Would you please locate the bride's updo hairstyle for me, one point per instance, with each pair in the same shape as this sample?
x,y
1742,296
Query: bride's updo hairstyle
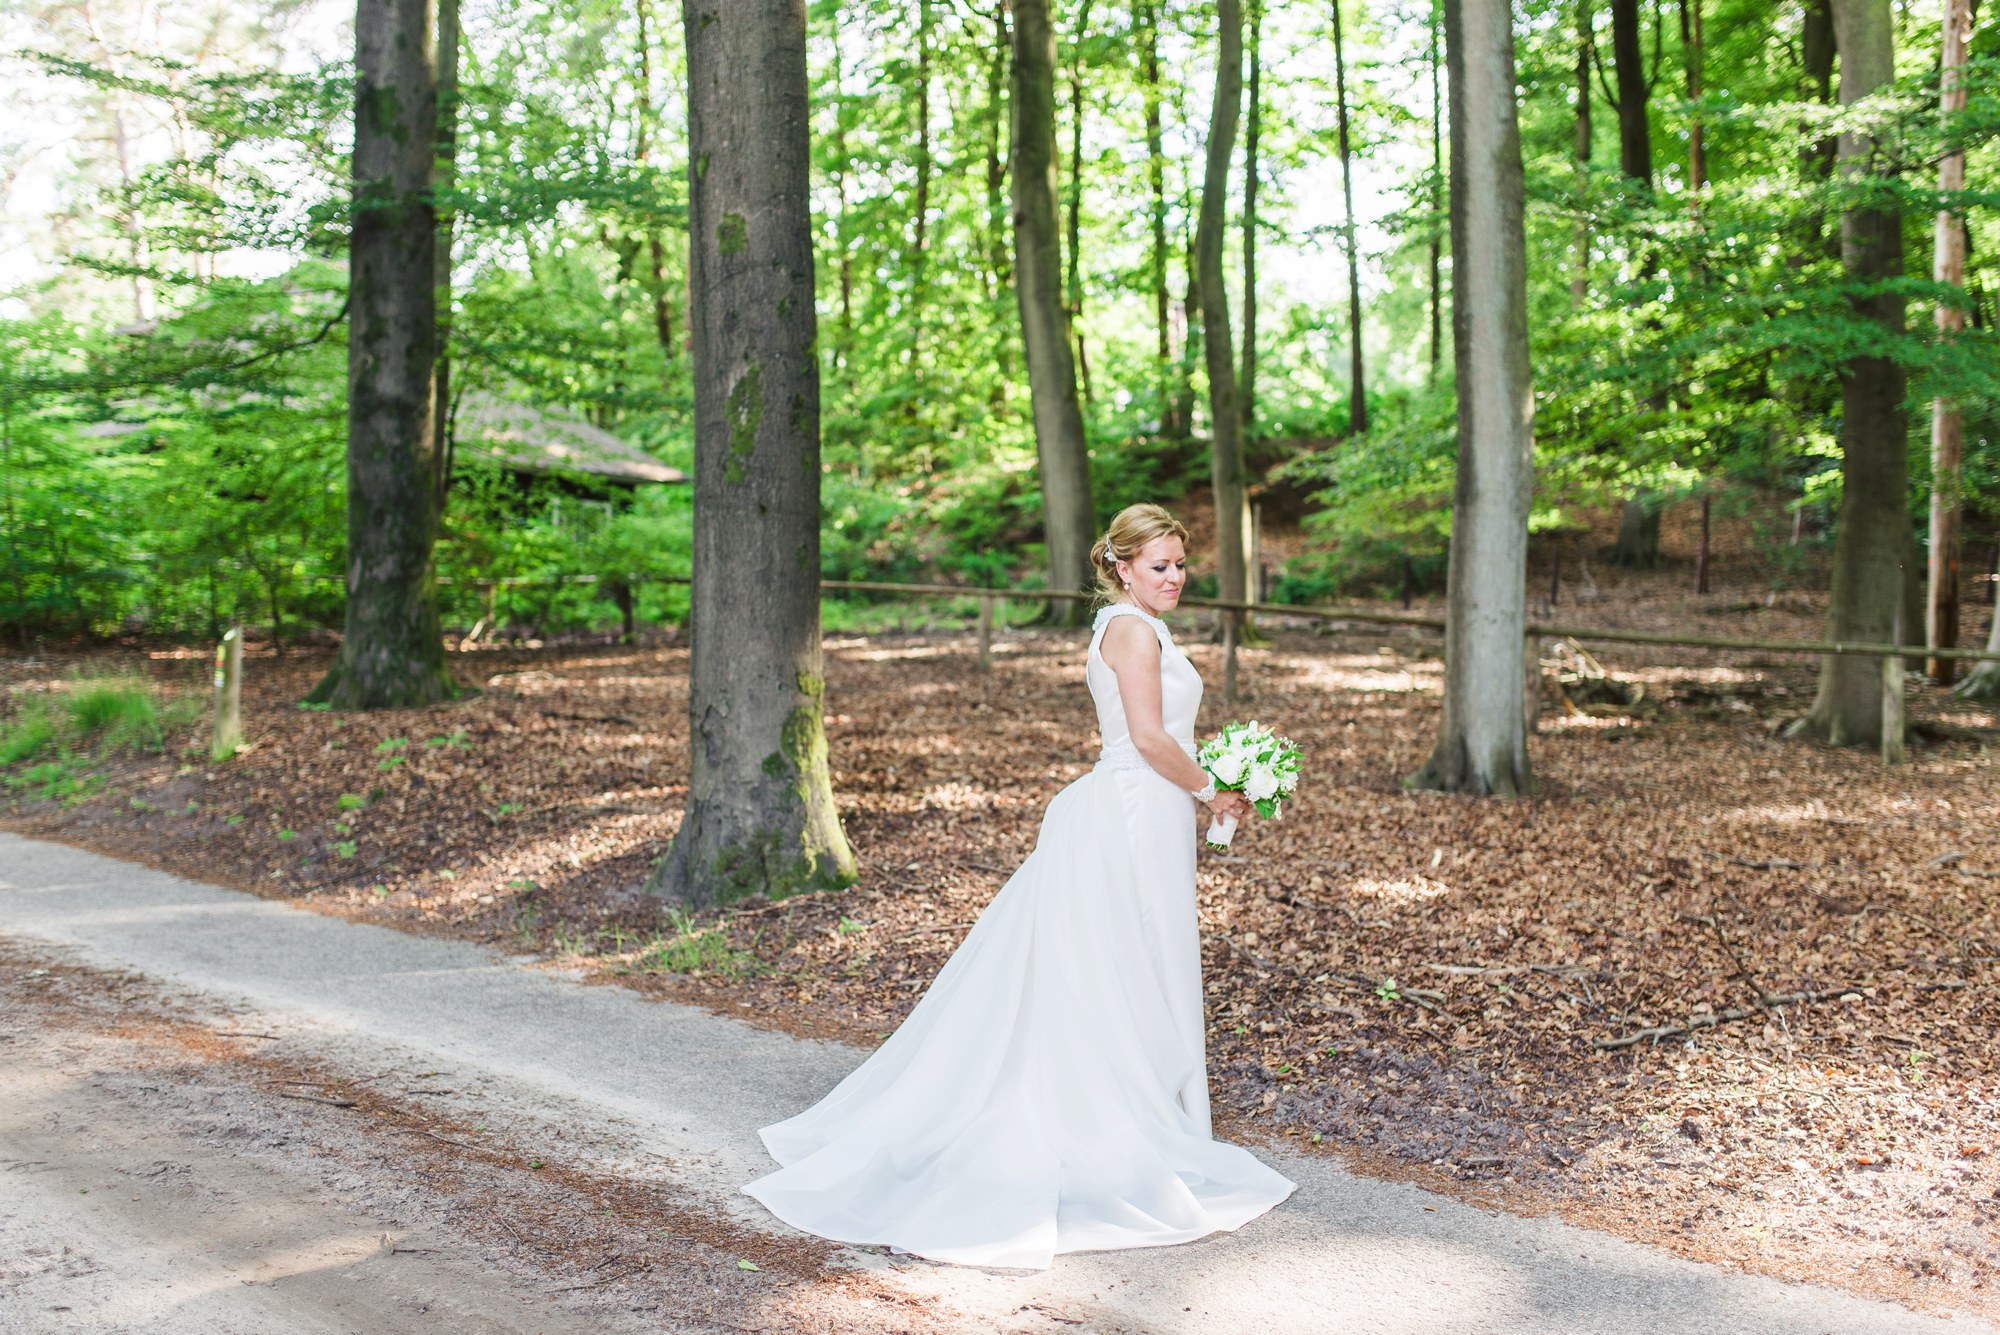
x,y
1133,528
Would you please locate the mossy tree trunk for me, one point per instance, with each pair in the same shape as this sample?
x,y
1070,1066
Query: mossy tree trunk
x,y
1482,740
1227,472
393,651
1069,520
1873,549
760,816
1638,544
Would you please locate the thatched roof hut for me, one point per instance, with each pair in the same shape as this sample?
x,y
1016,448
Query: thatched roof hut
x,y
519,438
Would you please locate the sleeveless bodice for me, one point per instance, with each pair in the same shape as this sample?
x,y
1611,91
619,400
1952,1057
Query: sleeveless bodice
x,y
1180,692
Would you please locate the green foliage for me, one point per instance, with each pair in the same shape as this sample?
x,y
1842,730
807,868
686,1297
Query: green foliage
x,y
188,474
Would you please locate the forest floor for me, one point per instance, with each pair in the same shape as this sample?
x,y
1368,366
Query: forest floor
x,y
1421,984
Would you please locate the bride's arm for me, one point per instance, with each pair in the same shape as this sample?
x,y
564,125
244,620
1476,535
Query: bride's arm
x,y
1132,651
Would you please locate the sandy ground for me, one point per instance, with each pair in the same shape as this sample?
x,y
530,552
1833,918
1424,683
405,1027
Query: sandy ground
x,y
280,1091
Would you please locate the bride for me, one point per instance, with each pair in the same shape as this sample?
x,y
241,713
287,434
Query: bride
x,y
1050,1092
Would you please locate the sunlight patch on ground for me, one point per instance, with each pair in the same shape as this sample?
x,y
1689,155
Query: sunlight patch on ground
x,y
1401,889
959,797
1552,722
1779,814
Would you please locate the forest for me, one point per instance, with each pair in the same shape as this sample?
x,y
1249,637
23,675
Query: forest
x,y
176,331
594,459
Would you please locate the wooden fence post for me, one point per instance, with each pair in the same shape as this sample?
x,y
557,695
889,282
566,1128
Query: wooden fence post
x,y
1531,683
1892,700
985,633
228,696
1229,636
1701,556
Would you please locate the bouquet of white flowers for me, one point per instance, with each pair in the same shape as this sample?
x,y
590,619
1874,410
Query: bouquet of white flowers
x,y
1250,759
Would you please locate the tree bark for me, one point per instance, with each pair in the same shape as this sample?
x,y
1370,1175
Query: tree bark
x,y
761,818
656,249
1947,424
1357,384
919,253
1246,382
1068,518
1579,283
1438,202
392,653
1638,544
1173,423
1874,541
996,162
1635,127
1228,475
446,182
1692,48
1816,52
1482,738
1073,227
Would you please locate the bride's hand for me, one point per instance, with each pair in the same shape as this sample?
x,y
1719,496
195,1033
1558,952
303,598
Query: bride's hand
x,y
1230,804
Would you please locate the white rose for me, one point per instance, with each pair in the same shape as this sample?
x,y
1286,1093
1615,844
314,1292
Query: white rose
x,y
1261,785
1227,768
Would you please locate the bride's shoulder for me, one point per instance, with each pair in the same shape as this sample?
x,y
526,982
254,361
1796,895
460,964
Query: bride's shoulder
x,y
1120,624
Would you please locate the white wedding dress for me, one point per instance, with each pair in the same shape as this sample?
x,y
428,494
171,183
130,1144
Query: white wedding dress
x,y
1049,1093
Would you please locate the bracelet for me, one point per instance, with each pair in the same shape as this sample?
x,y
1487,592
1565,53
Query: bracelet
x,y
1205,793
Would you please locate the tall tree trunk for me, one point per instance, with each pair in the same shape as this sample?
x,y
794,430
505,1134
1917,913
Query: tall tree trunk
x,y
997,229
392,653
1874,540
1482,738
1635,127
656,248
1073,230
919,253
1068,518
1357,384
1816,52
760,818
1579,283
1692,48
446,182
1438,201
1638,544
1228,475
1172,423
1947,426
1246,383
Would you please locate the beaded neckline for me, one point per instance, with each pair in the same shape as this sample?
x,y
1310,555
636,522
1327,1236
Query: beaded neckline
x,y
1111,610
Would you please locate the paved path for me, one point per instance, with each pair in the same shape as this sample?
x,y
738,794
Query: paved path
x,y
675,1086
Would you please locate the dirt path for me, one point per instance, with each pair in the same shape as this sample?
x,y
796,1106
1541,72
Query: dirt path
x,y
567,1157
164,1168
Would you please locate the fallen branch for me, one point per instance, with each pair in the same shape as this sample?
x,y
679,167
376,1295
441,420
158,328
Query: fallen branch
x,y
1756,864
419,1131
315,1098
1769,1002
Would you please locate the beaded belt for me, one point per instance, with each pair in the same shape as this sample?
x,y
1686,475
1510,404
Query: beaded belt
x,y
1124,755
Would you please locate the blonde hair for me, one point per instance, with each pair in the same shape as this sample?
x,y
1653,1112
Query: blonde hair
x,y
1131,529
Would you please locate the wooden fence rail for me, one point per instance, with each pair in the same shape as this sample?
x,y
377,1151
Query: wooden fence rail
x,y
989,598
